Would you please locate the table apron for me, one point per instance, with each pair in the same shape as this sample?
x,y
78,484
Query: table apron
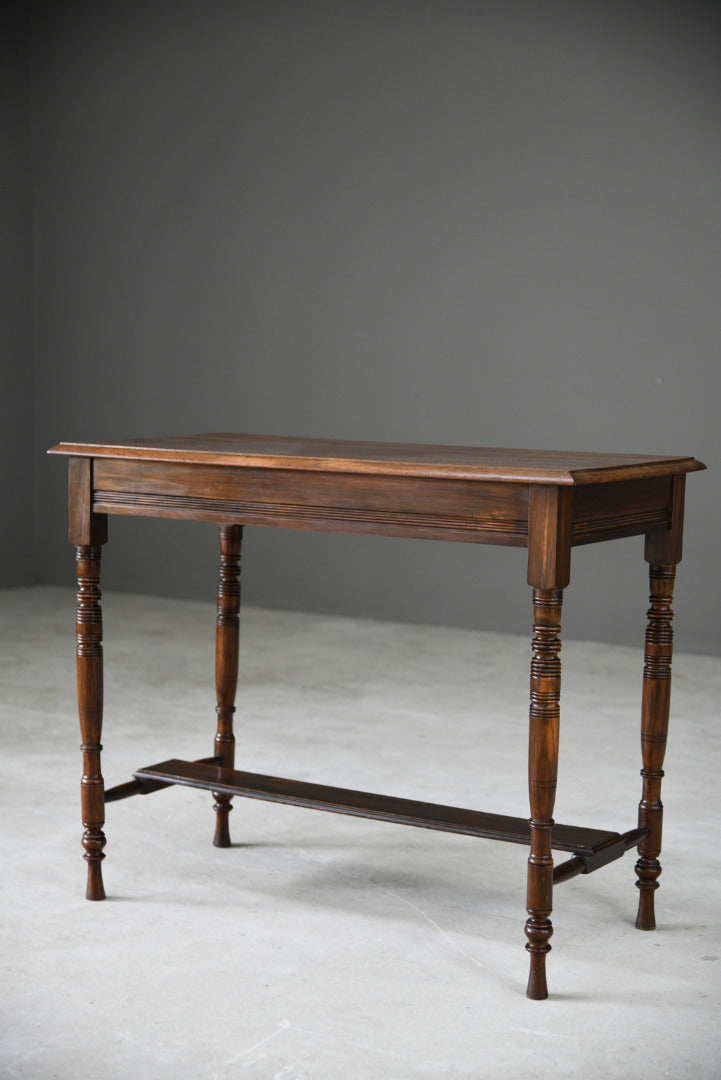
x,y
484,512
464,510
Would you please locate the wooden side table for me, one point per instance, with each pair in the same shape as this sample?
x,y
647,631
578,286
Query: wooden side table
x,y
546,502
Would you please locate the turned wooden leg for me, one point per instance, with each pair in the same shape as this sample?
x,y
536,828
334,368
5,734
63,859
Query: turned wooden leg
x,y
654,730
89,627
544,717
226,666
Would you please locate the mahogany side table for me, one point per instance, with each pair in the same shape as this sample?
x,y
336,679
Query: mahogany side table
x,y
544,501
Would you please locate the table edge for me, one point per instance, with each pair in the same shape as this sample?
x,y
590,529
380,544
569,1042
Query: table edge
x,y
653,466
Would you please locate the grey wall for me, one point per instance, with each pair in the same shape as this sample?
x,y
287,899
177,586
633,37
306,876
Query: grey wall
x,y
484,223
17,447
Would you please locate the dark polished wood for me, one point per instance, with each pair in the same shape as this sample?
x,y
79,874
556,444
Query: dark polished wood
x,y
663,550
89,630
88,531
586,843
546,501
387,459
227,632
544,721
655,707
549,570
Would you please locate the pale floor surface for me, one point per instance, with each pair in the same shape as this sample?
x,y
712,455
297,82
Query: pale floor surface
x,y
322,946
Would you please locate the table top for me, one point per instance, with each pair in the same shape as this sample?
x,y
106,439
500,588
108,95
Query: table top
x,y
388,459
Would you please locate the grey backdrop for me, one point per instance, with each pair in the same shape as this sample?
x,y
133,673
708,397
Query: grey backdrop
x,y
18,450
431,220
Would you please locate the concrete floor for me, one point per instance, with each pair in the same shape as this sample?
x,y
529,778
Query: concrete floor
x,y
322,946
